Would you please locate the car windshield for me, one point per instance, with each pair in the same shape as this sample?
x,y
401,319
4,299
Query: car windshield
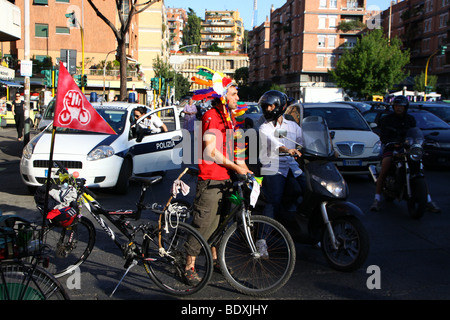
x,y
114,116
253,108
340,118
427,120
441,112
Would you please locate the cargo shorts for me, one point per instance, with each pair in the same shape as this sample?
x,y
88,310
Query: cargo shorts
x,y
210,200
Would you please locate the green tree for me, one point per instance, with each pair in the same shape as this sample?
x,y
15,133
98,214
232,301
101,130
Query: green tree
x,y
419,82
373,66
191,32
215,48
164,70
125,10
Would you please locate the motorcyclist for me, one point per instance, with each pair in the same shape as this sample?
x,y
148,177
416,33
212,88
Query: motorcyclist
x,y
393,128
276,172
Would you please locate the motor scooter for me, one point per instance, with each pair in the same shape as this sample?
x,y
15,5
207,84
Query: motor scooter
x,y
323,216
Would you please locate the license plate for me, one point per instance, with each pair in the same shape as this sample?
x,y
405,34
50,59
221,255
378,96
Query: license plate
x,y
352,162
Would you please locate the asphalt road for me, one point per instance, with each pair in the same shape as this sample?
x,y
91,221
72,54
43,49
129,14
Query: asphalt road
x,y
408,259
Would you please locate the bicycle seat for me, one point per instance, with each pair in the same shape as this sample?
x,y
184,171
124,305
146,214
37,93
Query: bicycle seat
x,y
147,181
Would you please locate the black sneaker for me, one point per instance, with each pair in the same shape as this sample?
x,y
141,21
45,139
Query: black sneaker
x,y
191,277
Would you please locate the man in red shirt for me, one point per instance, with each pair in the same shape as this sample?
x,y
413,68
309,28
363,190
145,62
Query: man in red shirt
x,y
215,164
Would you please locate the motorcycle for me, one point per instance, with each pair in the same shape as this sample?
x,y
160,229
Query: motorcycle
x,y
323,216
406,179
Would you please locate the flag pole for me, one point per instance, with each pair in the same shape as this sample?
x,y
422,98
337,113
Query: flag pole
x,y
49,175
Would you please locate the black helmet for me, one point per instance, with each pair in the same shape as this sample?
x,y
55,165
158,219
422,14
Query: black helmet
x,y
277,98
401,101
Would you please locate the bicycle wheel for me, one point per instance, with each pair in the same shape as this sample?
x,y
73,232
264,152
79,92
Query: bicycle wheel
x,y
167,270
22,281
257,275
69,247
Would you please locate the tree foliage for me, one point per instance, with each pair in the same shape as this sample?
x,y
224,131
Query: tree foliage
x,y
191,32
419,82
121,31
373,66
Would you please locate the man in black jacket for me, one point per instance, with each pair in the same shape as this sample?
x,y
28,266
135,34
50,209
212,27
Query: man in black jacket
x,y
393,128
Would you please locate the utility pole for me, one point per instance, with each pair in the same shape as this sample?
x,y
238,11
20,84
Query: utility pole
x,y
26,93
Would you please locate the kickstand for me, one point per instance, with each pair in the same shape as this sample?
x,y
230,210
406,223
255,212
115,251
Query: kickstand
x,y
133,263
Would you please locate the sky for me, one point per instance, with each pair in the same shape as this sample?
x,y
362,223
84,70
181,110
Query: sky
x,y
245,7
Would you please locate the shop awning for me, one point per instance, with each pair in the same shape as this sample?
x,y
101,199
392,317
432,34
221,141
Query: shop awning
x,y
11,84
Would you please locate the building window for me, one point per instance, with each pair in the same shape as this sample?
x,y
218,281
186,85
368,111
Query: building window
x,y
62,30
41,30
320,61
65,1
322,22
331,42
321,41
323,4
41,2
333,4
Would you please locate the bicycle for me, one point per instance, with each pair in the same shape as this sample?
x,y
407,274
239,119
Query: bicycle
x,y
162,250
245,266
20,253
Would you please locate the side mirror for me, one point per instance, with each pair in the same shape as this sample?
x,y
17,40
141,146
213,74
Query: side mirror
x,y
280,133
332,134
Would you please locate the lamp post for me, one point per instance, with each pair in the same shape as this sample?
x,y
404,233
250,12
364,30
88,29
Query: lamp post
x,y
441,51
104,73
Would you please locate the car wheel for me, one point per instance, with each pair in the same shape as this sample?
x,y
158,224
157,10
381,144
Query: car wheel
x,y
123,181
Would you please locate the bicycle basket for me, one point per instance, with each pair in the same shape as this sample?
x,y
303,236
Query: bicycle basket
x,y
18,238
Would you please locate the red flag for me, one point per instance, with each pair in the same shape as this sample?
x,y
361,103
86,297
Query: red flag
x,y
73,110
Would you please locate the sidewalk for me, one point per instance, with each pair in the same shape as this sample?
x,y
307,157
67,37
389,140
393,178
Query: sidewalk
x,y
10,147
14,195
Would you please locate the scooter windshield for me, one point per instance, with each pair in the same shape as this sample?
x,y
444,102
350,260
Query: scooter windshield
x,y
414,136
316,137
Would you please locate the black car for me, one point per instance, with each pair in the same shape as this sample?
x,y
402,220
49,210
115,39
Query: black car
x,y
435,130
440,109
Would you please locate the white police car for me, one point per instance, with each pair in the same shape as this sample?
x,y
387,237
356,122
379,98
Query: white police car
x,y
107,161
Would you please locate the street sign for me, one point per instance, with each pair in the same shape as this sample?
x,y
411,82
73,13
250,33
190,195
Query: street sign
x,y
26,68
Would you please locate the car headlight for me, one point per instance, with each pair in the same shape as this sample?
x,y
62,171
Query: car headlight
x,y
28,150
377,147
100,152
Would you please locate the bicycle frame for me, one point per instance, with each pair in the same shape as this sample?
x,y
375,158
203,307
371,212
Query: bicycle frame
x,y
242,215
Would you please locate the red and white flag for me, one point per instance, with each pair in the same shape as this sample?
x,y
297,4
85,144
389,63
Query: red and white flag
x,y
73,110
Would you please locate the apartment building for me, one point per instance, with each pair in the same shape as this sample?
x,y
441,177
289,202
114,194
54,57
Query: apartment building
x,y
177,19
153,37
423,26
304,41
224,28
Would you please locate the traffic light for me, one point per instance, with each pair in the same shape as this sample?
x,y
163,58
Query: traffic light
x,y
163,86
77,79
47,77
56,77
84,80
155,83
442,49
72,19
